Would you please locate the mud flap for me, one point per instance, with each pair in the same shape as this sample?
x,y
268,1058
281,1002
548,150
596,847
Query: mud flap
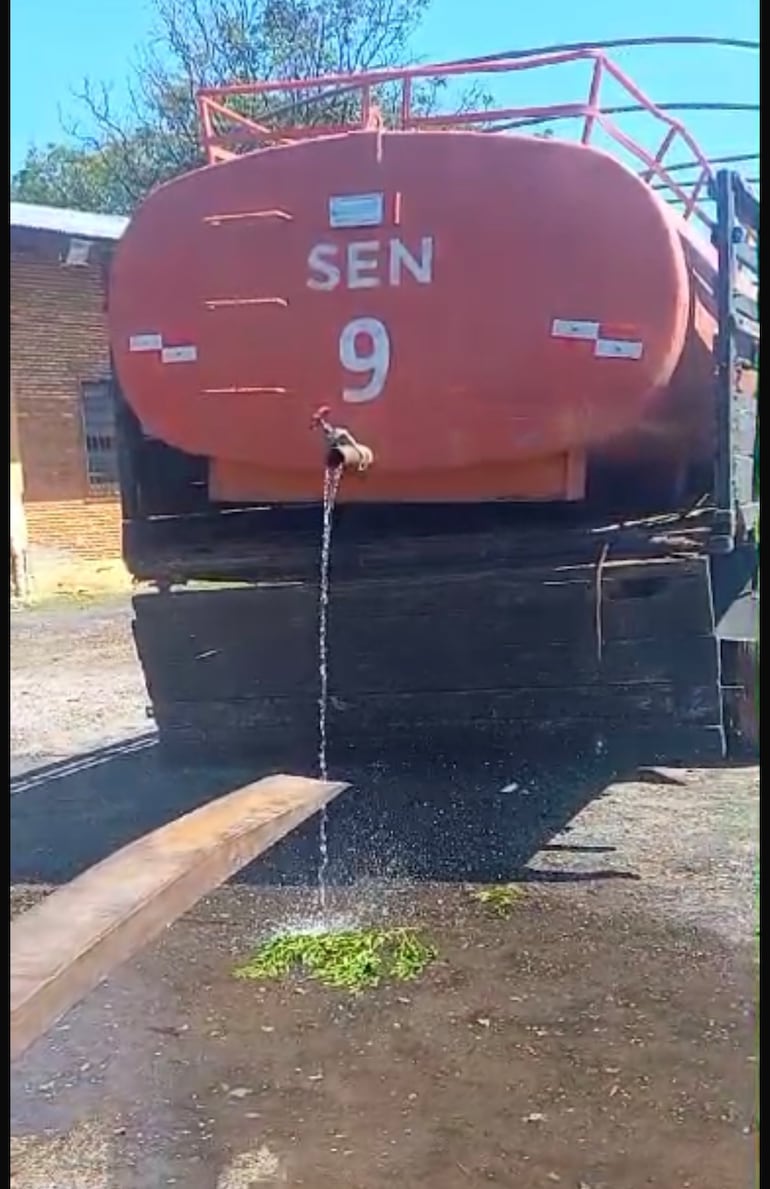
x,y
735,580
740,622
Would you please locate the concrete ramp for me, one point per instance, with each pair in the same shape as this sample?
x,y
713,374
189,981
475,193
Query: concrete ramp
x,y
61,949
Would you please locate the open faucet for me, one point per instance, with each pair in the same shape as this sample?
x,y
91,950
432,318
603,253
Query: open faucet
x,y
342,449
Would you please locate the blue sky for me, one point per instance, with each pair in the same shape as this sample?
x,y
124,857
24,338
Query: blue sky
x,y
54,45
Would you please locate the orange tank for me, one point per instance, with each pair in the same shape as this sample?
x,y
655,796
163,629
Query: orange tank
x,y
487,312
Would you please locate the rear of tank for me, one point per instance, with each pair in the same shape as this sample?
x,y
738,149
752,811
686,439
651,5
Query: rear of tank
x,y
498,317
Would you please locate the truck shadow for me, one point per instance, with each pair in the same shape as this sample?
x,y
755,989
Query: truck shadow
x,y
482,820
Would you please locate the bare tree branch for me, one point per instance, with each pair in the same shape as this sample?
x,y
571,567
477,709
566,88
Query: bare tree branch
x,y
118,150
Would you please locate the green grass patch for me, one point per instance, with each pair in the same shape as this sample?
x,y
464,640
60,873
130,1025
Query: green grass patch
x,y
353,960
499,899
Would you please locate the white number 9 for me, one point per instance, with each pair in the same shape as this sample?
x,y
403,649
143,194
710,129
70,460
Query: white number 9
x,y
374,357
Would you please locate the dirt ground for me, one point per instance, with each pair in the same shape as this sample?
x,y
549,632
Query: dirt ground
x,y
601,1037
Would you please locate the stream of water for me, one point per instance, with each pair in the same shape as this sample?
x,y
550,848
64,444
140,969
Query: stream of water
x,y
332,476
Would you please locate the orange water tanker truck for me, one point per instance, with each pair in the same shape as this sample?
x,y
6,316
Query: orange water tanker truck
x,y
547,352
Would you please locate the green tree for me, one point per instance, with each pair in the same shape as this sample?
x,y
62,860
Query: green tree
x,y
120,152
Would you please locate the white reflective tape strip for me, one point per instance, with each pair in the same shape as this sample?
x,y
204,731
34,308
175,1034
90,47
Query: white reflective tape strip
x,y
562,328
145,342
618,349
179,354
356,210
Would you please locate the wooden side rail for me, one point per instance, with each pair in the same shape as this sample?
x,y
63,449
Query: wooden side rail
x,y
62,948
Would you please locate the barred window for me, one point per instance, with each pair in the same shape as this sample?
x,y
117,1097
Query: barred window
x,y
98,410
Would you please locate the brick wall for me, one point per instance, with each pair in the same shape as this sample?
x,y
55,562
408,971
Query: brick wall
x,y
87,529
58,342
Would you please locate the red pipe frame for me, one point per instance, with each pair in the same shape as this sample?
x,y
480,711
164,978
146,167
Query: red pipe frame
x,y
220,146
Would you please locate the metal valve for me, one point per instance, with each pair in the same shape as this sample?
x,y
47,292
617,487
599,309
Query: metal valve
x,y
342,449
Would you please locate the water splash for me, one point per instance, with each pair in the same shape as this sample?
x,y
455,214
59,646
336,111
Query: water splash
x,y
315,924
332,477
366,904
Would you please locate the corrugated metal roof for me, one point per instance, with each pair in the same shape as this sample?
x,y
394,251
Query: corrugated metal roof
x,y
84,224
